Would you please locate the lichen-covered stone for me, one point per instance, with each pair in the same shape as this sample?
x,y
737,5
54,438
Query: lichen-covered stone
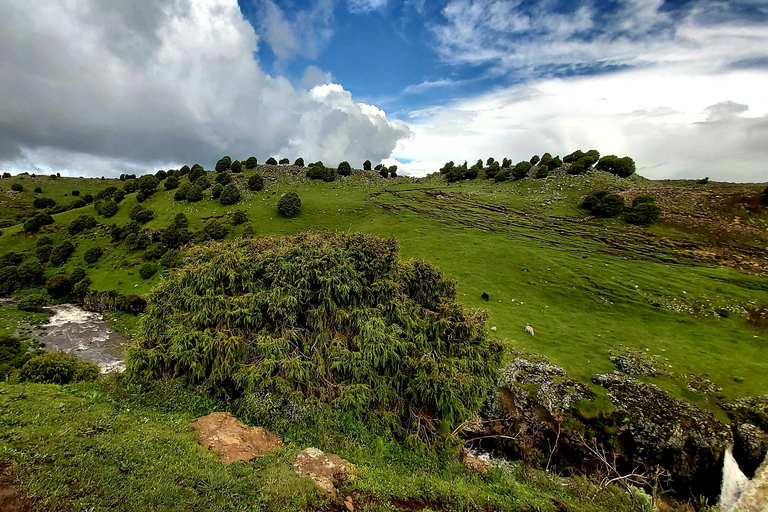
x,y
660,429
325,469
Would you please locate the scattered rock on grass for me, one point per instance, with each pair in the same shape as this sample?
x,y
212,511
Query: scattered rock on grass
x,y
222,432
325,469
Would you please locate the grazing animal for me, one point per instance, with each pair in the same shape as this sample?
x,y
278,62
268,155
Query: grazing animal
x,y
529,329
485,296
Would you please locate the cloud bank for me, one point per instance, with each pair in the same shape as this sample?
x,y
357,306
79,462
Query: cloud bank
x,y
104,88
681,91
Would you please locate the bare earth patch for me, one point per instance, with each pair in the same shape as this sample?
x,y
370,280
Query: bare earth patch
x,y
234,440
10,500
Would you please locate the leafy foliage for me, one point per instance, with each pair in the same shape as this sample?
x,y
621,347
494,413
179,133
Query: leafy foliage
x,y
33,302
271,161
57,368
33,224
335,318
643,214
147,270
289,204
299,162
256,182
82,223
251,163
344,169
623,167
223,164
230,194
92,255
367,165
604,204
61,253
43,202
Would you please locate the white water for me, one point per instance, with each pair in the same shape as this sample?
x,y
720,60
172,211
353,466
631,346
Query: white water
x,y
85,335
734,484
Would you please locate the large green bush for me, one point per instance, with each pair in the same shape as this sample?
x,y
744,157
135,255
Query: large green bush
x,y
33,302
289,204
623,167
61,253
334,318
230,195
57,368
643,214
256,182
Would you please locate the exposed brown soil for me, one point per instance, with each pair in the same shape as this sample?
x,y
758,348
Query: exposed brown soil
x,y
10,499
221,432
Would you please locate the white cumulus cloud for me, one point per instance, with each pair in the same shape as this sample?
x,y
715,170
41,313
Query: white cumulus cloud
x,y
103,88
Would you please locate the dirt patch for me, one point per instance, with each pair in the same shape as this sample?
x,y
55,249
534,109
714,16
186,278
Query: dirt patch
x,y
221,432
10,499
325,469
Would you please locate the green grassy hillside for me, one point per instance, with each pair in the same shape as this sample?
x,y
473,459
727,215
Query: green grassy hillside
x,y
586,286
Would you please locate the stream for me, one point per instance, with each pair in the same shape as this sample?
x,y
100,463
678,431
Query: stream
x,y
83,334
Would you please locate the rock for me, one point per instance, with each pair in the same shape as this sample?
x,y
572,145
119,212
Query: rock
x,y
325,469
660,429
222,432
349,504
750,447
494,328
474,464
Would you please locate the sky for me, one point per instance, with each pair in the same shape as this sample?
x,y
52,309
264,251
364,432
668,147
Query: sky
x,y
94,88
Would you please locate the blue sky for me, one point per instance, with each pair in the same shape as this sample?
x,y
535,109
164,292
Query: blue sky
x,y
681,86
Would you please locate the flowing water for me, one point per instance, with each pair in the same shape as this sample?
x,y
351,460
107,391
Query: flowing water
x,y
83,334
734,484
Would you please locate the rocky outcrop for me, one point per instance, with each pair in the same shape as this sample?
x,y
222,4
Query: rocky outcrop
x,y
325,469
750,415
659,429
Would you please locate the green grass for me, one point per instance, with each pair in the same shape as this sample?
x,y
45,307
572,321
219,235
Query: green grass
x,y
585,287
101,446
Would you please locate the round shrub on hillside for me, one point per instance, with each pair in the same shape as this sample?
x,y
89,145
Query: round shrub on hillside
x,y
34,303
17,187
58,286
194,194
230,194
216,191
643,198
236,167
147,270
224,178
61,253
256,182
93,254
43,202
344,169
644,214
271,161
299,162
251,163
289,204
623,167
334,318
57,368
171,183
609,206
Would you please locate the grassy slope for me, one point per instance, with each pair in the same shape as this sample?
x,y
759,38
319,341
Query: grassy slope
x,y
582,297
112,451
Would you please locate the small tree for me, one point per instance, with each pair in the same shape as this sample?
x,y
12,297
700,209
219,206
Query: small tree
x,y
367,165
225,178
289,204
184,170
171,182
108,208
230,194
75,193
521,170
271,161
29,273
251,163
383,171
92,255
622,167
216,191
299,162
17,187
256,182
203,182
344,169
58,286
182,192
765,196
141,215
541,172
81,223
196,173
161,175
43,202
643,214
236,167
284,161
195,194
535,159
609,206
223,164
643,198
554,163
239,217
148,184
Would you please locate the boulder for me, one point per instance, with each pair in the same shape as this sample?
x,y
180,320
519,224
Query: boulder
x,y
325,469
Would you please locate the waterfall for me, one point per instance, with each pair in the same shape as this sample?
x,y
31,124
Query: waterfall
x,y
734,482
